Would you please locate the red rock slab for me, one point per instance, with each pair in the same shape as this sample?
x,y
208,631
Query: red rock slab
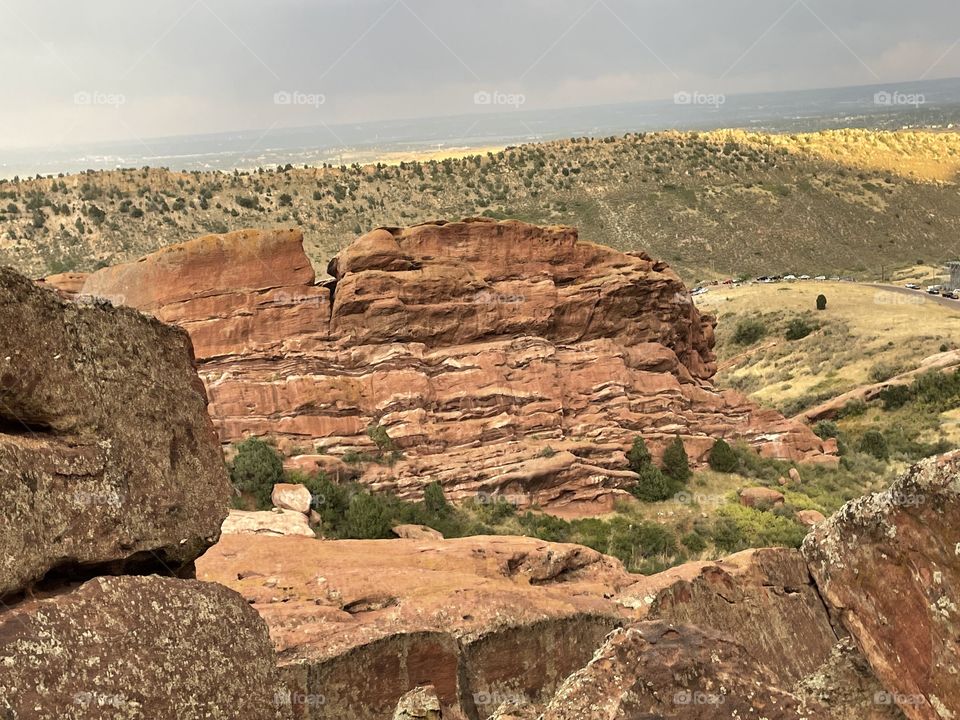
x,y
888,565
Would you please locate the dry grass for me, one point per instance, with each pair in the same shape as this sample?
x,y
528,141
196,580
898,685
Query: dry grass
x,y
925,156
863,330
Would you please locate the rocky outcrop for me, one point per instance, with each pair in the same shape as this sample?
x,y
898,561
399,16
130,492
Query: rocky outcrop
x,y
660,670
496,624
888,565
497,358
483,620
763,599
137,647
107,453
110,471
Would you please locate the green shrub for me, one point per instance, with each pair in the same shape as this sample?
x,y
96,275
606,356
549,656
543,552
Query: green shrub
x,y
255,469
545,527
653,485
826,429
727,535
676,465
799,328
694,542
853,408
881,372
743,527
875,444
434,500
631,543
821,302
367,518
722,457
895,397
749,331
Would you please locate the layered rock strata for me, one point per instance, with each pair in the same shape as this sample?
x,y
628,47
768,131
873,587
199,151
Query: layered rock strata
x,y
497,358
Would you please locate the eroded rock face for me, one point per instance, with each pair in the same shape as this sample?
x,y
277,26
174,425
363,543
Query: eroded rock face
x,y
496,624
660,670
888,565
125,648
483,620
107,453
763,599
499,358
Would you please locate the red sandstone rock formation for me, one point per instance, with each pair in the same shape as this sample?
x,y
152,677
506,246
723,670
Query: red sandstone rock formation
x,y
499,358
500,621
659,670
888,565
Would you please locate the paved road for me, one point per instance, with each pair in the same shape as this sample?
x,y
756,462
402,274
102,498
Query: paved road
x,y
919,295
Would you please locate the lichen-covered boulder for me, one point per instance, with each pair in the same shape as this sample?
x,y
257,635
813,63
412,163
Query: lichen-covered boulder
x,y
107,454
138,648
888,565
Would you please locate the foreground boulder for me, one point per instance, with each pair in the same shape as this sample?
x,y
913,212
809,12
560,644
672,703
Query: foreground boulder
x,y
765,600
111,475
888,565
137,647
659,670
496,624
107,453
483,620
497,358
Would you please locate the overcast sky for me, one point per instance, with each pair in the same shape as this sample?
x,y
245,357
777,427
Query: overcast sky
x,y
77,71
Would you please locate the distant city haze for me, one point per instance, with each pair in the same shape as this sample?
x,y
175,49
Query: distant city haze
x,y
87,73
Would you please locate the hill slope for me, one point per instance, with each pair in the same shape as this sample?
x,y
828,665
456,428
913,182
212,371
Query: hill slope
x,y
710,203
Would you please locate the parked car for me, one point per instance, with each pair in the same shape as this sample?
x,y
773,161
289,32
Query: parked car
x,y
820,277
804,277
934,289
912,286
790,278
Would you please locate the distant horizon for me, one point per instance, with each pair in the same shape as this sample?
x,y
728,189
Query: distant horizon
x,y
454,116
936,106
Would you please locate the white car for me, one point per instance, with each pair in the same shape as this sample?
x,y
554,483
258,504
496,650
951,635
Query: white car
x,y
790,278
820,277
804,277
912,286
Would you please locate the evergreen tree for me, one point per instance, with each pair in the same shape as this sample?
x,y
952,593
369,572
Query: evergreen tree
x,y
676,465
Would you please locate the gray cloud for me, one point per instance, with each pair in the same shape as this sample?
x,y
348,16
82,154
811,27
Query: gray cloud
x,y
192,66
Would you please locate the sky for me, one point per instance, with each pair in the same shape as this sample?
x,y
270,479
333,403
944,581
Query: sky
x,y
82,71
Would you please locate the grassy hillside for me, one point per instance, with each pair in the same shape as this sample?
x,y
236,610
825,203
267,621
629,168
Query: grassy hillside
x,y
866,335
712,204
